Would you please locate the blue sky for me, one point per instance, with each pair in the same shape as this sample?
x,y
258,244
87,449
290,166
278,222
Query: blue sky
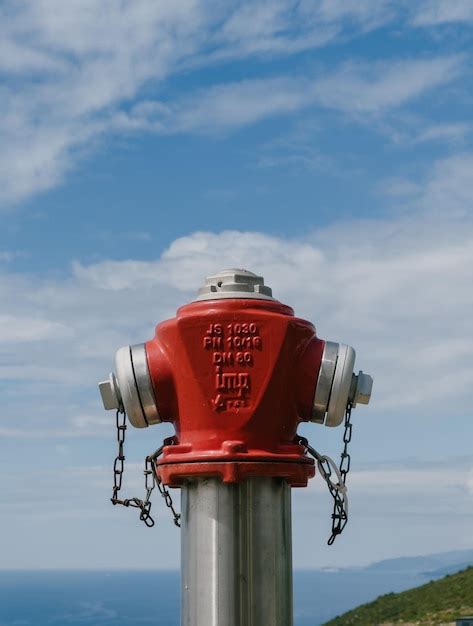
x,y
325,145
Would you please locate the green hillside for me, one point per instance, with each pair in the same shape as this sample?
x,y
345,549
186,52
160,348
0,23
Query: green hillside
x,y
438,602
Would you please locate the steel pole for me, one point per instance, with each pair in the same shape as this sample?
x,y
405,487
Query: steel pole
x,y
236,554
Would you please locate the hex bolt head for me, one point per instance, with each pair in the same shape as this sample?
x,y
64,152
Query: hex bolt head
x,y
362,385
110,393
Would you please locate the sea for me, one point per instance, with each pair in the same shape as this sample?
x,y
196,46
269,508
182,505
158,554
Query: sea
x,y
142,598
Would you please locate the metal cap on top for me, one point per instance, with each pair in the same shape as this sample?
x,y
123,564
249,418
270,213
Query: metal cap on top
x,y
234,283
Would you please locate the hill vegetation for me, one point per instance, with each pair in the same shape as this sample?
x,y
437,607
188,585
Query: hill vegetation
x,y
438,602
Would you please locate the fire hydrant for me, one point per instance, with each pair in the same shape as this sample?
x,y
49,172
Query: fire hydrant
x,y
236,373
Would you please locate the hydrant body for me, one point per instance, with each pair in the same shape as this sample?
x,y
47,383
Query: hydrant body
x,y
235,376
236,372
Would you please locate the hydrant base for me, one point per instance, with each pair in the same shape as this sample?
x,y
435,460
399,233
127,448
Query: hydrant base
x,y
296,474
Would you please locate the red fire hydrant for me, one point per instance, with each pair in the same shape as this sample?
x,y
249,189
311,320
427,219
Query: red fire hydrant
x,y
236,373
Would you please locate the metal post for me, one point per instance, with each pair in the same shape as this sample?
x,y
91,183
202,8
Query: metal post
x,y
236,553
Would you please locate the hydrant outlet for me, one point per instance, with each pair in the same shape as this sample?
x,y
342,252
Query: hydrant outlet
x,y
131,389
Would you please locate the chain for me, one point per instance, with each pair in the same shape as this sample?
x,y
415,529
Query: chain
x,y
151,478
164,491
327,467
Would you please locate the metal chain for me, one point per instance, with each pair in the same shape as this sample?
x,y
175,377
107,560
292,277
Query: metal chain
x,y
164,491
326,467
151,478
325,464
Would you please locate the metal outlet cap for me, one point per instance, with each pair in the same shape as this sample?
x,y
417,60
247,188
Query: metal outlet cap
x,y
131,389
135,386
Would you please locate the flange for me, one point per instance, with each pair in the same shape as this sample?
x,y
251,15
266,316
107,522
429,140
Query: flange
x,y
333,385
341,385
135,386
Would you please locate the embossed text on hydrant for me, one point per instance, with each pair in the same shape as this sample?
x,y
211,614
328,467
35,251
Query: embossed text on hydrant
x,y
233,348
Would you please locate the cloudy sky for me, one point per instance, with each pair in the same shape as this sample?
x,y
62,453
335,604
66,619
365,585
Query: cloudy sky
x,y
326,144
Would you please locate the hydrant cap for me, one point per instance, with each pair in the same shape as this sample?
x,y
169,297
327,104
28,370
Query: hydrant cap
x,y
234,283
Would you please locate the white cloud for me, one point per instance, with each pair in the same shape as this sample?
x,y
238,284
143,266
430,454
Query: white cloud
x,y
353,88
419,488
282,27
67,69
407,129
449,187
19,329
445,481
398,289
6,256
451,133
378,86
469,482
446,189
77,426
71,74
399,188
435,12
77,62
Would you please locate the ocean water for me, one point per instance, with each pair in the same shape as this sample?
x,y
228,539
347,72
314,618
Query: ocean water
x,y
135,598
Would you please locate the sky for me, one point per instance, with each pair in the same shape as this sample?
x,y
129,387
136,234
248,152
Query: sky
x,y
324,144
